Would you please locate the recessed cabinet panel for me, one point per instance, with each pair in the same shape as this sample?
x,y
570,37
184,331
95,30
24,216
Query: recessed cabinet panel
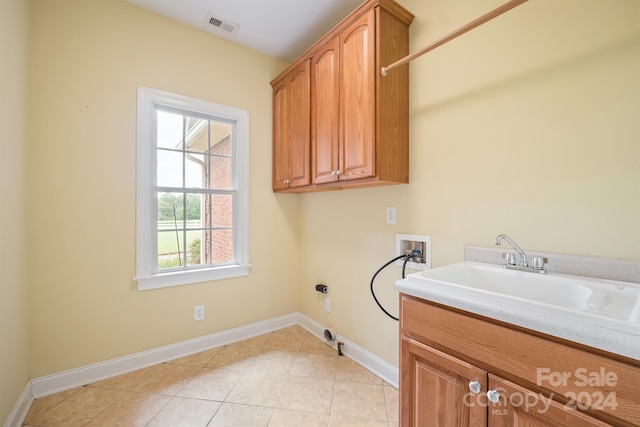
x,y
299,160
281,135
325,95
357,98
435,389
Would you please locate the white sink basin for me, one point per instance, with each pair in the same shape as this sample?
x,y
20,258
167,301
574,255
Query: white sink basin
x,y
606,303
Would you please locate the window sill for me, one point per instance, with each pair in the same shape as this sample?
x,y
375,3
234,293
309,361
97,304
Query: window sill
x,y
178,278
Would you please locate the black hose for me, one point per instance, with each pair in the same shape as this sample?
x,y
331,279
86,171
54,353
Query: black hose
x,y
407,258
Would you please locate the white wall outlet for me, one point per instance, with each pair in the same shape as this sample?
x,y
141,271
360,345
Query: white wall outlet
x,y
391,214
198,312
327,305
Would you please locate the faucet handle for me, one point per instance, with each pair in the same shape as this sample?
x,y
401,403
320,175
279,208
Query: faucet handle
x,y
510,257
538,262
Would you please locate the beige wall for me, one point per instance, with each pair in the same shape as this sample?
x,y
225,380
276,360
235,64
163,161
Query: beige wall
x,y
87,59
14,370
529,125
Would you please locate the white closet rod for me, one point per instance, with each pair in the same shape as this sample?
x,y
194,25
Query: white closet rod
x,y
457,33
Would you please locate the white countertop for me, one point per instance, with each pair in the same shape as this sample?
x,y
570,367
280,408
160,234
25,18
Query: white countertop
x,y
622,343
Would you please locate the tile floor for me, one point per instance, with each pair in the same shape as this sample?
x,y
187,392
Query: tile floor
x,y
283,378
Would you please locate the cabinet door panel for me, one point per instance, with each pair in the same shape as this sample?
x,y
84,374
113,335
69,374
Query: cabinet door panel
x,y
299,160
434,389
519,406
281,135
357,99
325,93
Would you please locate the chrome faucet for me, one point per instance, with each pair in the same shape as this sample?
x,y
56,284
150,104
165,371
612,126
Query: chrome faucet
x,y
538,261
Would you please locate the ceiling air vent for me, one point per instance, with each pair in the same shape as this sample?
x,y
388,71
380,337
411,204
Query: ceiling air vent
x,y
220,24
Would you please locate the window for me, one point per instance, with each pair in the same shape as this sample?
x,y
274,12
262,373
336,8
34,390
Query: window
x,y
192,195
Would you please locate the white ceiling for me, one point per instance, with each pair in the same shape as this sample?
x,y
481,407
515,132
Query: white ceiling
x,y
282,29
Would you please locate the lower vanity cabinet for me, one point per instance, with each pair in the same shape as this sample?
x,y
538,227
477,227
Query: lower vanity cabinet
x,y
461,369
445,391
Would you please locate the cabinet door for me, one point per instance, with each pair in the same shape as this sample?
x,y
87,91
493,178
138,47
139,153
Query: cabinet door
x,y
299,153
435,389
291,129
281,135
357,99
520,406
325,92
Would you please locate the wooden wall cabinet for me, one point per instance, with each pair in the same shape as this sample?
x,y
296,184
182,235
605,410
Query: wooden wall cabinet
x,y
459,369
359,120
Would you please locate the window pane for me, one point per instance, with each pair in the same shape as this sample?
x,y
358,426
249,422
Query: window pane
x,y
169,130
170,211
195,247
222,246
170,249
195,211
196,170
197,134
220,138
221,210
169,169
220,178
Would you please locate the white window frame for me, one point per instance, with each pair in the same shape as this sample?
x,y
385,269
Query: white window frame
x,y
146,215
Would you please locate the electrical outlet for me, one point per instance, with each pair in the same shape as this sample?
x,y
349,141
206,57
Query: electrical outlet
x,y
198,312
391,214
327,305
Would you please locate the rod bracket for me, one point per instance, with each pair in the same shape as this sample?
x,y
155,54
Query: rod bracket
x,y
383,71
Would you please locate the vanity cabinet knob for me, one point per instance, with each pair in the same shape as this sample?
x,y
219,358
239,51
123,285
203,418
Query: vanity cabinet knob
x,y
287,181
493,396
474,387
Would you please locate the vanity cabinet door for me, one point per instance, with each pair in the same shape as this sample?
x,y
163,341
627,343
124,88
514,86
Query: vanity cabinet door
x,y
435,389
519,406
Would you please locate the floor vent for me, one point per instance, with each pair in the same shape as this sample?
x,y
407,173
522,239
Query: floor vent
x,y
219,24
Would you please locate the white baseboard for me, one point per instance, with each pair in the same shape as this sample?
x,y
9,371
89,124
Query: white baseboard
x,y
55,383
383,369
20,409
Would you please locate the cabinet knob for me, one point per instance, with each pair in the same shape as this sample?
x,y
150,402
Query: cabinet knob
x,y
475,387
287,181
493,396
338,172
334,173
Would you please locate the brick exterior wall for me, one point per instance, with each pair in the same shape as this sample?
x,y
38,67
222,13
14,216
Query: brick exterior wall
x,y
220,241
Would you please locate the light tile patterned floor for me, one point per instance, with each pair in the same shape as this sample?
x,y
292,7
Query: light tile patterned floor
x,y
284,378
